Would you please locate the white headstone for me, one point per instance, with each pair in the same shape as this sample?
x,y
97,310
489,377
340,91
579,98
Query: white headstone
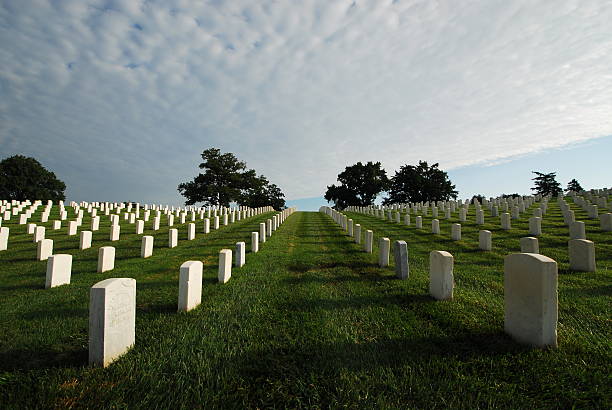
x,y
605,221
240,257
191,231
484,240
530,299
139,227
39,233
262,232
225,265
577,230
112,320
57,225
400,253
190,285
106,259
254,242
384,249
146,246
206,225
59,269
529,245
44,249
115,232
357,233
535,226
456,232
582,255
419,222
172,238
369,239
435,226
441,281
85,240
505,221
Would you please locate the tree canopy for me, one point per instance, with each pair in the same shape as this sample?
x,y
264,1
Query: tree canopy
x,y
546,184
574,185
359,185
24,178
419,184
225,179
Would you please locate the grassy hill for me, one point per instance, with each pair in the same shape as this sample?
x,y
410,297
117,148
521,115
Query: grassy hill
x,y
309,321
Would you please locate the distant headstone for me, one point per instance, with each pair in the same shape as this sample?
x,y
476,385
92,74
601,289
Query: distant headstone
x,y
190,285
357,234
254,242
146,246
369,239
191,231
535,226
206,225
530,299
419,222
112,320
85,240
172,238
72,228
577,230
115,231
505,221
262,232
44,249
384,248
435,226
39,233
59,269
456,232
441,280
529,245
139,227
605,222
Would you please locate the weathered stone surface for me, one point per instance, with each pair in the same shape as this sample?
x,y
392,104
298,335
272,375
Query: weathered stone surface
x,y
190,285
605,222
535,226
59,270
112,320
441,280
106,259
582,255
505,221
577,230
456,232
400,253
530,299
225,265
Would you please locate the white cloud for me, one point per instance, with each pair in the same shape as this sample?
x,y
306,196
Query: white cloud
x,y
120,97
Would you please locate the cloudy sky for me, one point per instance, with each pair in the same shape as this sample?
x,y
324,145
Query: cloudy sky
x,y
120,97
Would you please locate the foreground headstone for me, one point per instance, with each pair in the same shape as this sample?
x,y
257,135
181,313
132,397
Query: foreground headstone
x,y
582,255
172,238
106,259
240,257
441,281
112,320
535,226
59,269
225,265
85,240
530,299
190,285
384,248
484,240
44,249
400,253
146,246
529,245
369,239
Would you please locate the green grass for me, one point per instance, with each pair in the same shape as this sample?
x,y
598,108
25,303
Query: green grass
x,y
309,321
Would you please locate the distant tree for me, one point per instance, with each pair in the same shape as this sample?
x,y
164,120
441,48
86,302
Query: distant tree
x,y
546,184
515,195
219,184
260,192
24,178
420,183
359,185
479,197
574,185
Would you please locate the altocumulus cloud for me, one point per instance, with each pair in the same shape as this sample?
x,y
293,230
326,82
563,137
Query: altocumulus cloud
x,y
120,97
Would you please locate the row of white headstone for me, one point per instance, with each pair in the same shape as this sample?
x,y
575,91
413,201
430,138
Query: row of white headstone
x,y
530,288
112,306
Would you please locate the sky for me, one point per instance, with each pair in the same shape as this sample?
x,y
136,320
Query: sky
x,y
120,97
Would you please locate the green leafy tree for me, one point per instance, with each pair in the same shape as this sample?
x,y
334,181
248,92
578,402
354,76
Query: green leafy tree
x,y
574,185
420,183
260,192
546,184
359,185
24,178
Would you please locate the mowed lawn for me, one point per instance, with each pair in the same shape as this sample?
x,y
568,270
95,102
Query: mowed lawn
x,y
309,321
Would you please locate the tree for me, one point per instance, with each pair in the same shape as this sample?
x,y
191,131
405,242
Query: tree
x,y
24,178
260,192
225,180
546,184
478,197
419,184
359,185
574,185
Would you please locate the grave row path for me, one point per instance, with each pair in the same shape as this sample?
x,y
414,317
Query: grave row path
x,y
309,321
